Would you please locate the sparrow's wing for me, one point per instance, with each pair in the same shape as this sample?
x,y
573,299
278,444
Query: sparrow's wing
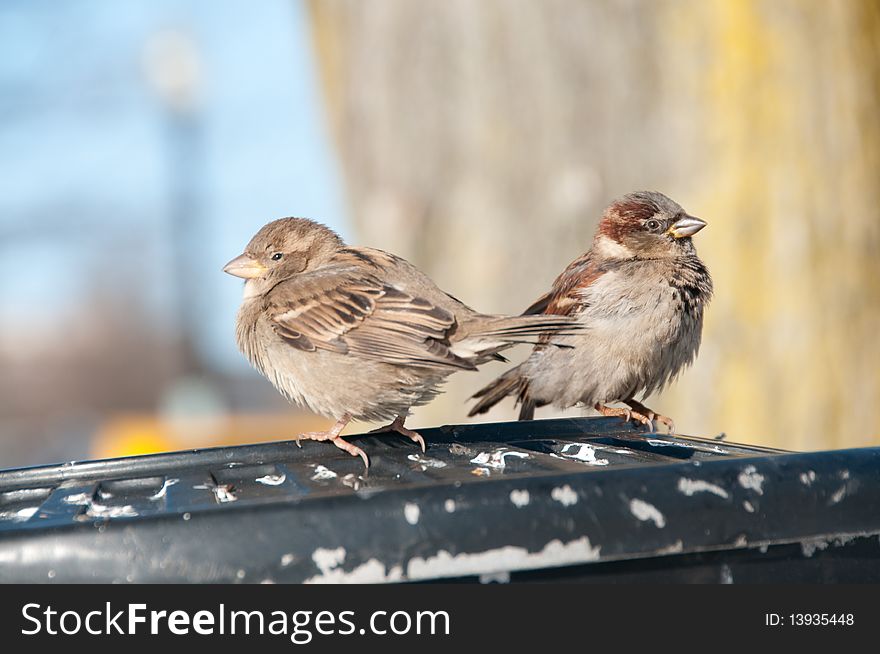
x,y
566,295
360,314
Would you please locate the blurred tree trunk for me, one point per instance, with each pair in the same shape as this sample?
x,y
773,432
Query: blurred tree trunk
x,y
481,140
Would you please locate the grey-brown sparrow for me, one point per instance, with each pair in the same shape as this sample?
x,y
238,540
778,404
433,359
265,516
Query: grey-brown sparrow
x,y
358,333
639,292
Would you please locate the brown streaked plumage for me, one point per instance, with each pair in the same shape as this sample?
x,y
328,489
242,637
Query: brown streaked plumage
x,y
358,333
639,292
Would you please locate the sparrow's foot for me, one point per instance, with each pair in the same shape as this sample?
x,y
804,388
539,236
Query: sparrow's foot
x,y
397,426
333,436
627,414
641,408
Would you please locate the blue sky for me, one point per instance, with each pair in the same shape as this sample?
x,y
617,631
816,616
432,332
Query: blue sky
x,y
85,170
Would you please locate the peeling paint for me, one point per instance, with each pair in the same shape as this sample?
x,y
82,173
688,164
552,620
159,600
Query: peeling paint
x,y
645,511
19,516
691,486
497,459
676,548
272,480
809,547
158,495
327,559
101,511
481,472
322,473
808,477
521,498
371,572
80,499
508,558
496,578
583,452
426,461
223,493
564,495
411,512
750,478
352,481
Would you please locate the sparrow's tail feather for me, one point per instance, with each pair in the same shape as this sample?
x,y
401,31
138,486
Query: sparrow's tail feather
x,y
527,410
510,383
512,328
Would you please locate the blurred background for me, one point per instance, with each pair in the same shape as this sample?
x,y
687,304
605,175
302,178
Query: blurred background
x,y
143,143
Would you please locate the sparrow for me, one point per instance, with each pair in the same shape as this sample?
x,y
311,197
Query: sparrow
x,y
355,333
640,292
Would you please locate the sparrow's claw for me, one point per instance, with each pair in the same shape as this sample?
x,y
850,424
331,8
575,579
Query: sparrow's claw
x,y
354,450
641,408
398,427
627,414
333,436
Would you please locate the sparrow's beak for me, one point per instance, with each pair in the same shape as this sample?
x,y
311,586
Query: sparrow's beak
x,y
245,267
687,226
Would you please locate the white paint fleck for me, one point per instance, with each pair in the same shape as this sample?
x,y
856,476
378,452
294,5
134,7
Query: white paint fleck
x,y
101,511
659,443
520,498
497,459
449,506
327,559
808,477
748,506
352,481
502,559
726,574
809,547
844,474
287,559
240,574
51,574
159,494
763,549
272,480
838,495
583,452
328,562
676,548
223,493
19,516
201,487
564,495
741,541
79,499
323,473
186,516
691,486
496,578
426,461
751,479
645,511
411,512
371,572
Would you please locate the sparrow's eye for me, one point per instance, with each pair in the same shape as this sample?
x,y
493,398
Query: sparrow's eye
x,y
652,225
277,256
